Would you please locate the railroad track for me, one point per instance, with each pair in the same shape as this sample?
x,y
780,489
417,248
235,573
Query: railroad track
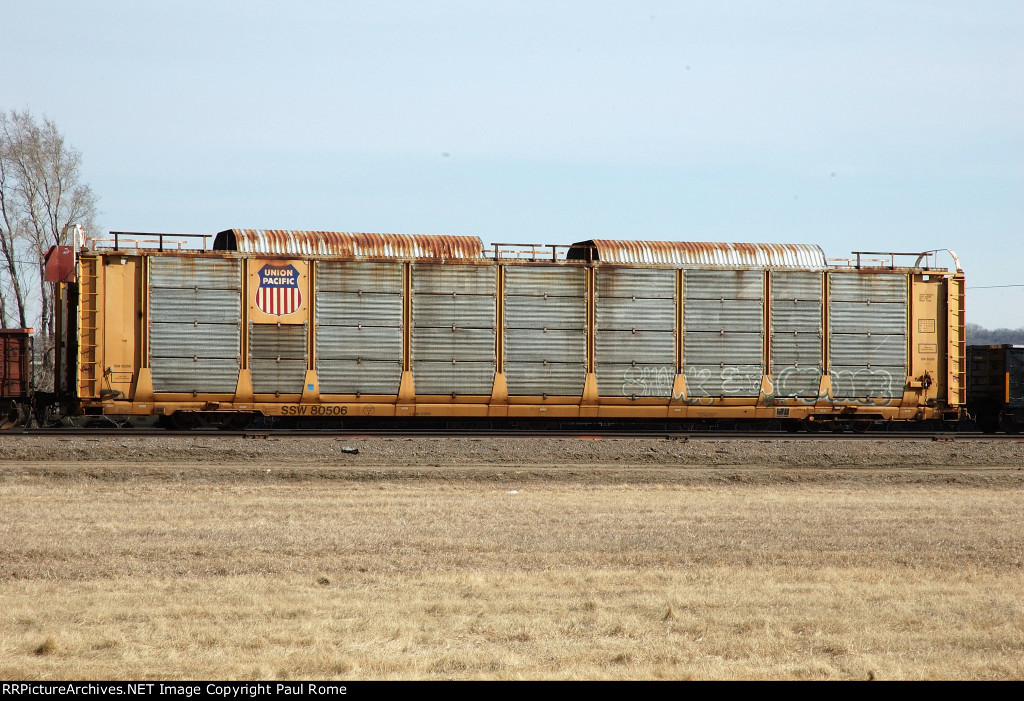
x,y
589,434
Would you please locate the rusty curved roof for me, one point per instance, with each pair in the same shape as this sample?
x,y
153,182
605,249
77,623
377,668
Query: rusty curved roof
x,y
695,254
333,243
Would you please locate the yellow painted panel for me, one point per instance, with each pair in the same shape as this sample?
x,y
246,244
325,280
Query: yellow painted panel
x,y
121,326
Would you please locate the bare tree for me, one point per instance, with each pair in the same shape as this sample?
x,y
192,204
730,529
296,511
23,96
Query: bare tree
x,y
41,196
13,236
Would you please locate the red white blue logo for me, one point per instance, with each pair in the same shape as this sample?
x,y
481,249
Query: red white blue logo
x,y
278,292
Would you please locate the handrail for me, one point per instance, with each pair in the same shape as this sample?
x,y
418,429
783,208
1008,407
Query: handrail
x,y
160,239
889,261
529,251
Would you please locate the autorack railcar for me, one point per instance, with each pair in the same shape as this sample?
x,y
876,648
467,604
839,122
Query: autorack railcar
x,y
328,324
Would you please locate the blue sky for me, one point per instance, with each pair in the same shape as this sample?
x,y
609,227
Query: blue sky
x,y
855,126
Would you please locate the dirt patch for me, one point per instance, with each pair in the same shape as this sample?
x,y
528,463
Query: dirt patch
x,y
607,461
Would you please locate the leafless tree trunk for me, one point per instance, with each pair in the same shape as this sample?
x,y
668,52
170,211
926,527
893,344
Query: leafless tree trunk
x,y
12,230
40,198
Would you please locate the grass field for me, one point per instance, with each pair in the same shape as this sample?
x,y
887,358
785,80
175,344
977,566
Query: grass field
x,y
237,577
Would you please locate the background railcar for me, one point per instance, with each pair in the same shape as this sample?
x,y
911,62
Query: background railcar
x,y
16,384
323,324
995,379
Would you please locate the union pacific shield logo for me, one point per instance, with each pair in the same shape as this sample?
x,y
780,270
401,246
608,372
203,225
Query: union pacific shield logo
x,y
278,292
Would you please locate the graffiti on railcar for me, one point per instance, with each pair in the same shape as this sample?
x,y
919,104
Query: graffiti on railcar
x,y
648,381
796,382
873,386
727,381
741,380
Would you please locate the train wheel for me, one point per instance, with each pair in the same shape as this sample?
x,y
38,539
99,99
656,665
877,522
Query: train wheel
x,y
791,426
49,416
10,415
861,426
839,426
1008,423
987,422
184,420
236,422
813,426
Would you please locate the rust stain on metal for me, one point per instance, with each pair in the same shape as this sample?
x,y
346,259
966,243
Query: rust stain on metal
x,y
351,245
692,253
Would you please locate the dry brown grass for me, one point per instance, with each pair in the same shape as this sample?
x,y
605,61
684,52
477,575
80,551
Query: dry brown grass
x,y
242,578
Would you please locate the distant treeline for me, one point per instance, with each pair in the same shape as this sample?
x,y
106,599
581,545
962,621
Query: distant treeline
x,y
980,336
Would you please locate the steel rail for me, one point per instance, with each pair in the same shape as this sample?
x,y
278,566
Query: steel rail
x,y
573,434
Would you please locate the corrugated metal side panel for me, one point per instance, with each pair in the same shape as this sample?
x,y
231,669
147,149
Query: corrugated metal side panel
x,y
796,380
798,349
862,350
193,340
723,337
435,377
537,312
458,344
634,343
277,358
628,380
869,317
190,273
639,348
723,284
735,380
195,308
554,379
438,311
453,328
176,305
353,276
454,278
789,316
873,383
624,314
712,348
745,315
368,343
639,283
877,287
359,327
794,285
353,309
273,341
204,376
362,376
544,281
796,321
867,335
271,376
545,330
552,345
